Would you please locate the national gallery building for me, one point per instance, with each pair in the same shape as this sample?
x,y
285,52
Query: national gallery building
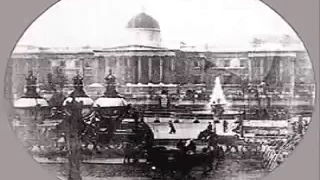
x,y
144,62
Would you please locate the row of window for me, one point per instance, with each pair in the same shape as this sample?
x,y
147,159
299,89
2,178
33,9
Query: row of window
x,y
77,63
126,62
223,63
122,61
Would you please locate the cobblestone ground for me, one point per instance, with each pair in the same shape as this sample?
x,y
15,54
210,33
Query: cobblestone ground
x,y
231,169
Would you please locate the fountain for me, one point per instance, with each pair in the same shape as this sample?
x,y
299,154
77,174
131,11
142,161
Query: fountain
x,y
218,96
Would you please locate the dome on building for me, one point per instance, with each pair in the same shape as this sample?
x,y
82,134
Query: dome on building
x,y
144,30
143,20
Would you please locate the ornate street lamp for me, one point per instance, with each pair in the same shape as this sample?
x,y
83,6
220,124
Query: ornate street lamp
x,y
80,95
111,107
31,108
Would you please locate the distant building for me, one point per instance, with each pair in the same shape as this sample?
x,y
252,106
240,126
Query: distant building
x,y
144,61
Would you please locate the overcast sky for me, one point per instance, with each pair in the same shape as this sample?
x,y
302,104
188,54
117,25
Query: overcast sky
x,y
75,23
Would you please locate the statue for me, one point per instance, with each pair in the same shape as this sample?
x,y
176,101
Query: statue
x,y
78,87
111,85
110,79
31,86
31,79
78,80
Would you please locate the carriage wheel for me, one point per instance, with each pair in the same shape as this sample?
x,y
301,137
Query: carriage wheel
x,y
117,147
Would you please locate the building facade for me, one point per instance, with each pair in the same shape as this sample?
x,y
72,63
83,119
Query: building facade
x,y
144,61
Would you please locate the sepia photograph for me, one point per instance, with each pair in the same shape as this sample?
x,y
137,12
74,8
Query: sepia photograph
x,y
141,90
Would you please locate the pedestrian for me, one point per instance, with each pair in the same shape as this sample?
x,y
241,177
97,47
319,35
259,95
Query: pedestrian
x,y
157,119
209,127
172,128
213,107
225,126
300,127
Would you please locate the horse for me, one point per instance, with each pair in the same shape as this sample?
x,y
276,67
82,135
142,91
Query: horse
x,y
132,152
176,161
86,131
98,129
213,139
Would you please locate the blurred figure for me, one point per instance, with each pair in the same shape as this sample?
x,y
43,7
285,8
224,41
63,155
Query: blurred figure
x,y
300,127
172,128
181,145
157,119
225,126
213,107
196,120
210,127
191,147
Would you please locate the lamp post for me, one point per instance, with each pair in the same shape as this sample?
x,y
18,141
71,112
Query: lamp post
x,y
83,67
76,106
30,108
111,107
73,140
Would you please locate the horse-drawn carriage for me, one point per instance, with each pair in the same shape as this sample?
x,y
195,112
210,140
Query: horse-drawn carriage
x,y
107,123
113,128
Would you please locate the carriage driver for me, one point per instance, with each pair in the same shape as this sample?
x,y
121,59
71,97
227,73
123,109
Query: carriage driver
x,y
190,146
187,147
210,127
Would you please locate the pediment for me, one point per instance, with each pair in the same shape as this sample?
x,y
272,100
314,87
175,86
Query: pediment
x,y
132,48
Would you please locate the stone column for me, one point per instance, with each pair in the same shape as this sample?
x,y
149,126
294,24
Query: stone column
x,y
293,76
202,71
173,73
128,70
172,64
281,71
150,68
106,67
249,69
139,69
118,59
261,69
161,69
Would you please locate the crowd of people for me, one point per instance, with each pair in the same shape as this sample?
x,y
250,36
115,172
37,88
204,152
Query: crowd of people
x,y
300,126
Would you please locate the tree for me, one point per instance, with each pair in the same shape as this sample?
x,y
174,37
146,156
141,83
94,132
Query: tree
x,y
256,42
287,40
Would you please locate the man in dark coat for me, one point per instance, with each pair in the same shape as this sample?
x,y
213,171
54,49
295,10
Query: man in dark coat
x,y
172,128
225,126
209,127
181,145
191,146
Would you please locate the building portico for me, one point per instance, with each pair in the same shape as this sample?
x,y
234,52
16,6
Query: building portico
x,y
139,64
